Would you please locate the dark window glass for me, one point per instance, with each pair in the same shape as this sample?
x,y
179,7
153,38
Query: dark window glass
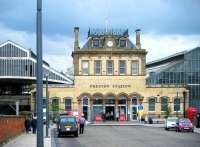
x,y
152,104
97,66
176,104
122,43
122,67
110,67
96,43
68,104
164,104
110,101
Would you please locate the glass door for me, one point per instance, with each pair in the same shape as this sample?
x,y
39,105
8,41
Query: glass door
x,y
134,112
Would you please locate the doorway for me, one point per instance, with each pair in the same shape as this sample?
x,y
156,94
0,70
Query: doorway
x,y
85,112
134,112
110,111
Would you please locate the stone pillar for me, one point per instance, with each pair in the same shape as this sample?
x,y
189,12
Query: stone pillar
x,y
128,109
104,107
116,107
17,108
90,110
80,107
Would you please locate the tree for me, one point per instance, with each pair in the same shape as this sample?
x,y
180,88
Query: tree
x,y
167,112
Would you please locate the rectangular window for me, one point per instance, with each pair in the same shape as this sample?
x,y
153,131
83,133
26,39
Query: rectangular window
x,y
97,67
95,43
110,67
135,68
122,43
85,67
122,67
177,104
152,104
68,104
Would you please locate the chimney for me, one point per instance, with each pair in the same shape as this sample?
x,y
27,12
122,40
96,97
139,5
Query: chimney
x,y
76,44
138,44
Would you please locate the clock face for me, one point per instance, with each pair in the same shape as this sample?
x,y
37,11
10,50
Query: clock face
x,y
109,43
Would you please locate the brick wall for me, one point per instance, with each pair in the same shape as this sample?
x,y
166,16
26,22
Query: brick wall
x,y
10,126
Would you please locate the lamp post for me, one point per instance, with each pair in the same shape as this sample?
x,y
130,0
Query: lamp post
x,y
184,97
47,107
39,77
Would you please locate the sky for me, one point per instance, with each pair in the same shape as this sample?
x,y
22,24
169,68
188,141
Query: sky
x,y
168,26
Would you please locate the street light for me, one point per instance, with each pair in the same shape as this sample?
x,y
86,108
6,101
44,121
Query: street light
x,y
184,97
47,107
39,77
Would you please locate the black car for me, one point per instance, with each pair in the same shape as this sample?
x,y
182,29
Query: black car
x,y
67,125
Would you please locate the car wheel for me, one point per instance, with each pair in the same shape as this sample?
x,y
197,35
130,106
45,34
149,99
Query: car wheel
x,y
59,135
76,134
167,129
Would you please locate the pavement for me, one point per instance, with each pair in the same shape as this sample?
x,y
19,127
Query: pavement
x,y
126,136
27,140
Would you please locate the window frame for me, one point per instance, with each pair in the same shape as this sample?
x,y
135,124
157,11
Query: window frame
x,y
162,104
135,61
152,98
100,71
124,67
68,98
120,43
177,104
83,69
93,43
108,69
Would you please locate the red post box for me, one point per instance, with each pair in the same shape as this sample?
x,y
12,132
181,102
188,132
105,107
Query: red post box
x,y
191,113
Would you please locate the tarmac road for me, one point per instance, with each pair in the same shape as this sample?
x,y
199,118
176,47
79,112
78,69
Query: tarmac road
x,y
127,136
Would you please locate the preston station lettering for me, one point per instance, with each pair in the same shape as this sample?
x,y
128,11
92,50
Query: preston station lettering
x,y
110,86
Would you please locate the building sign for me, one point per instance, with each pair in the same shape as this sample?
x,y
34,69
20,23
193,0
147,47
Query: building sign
x,y
109,86
140,107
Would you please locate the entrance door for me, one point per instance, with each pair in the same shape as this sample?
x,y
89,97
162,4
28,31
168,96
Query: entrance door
x,y
122,111
85,112
110,111
134,112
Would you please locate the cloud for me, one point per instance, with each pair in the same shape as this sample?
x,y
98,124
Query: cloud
x,y
160,16
159,46
56,49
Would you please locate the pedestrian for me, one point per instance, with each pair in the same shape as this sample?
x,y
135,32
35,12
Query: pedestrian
x,y
111,115
27,124
34,124
117,116
82,124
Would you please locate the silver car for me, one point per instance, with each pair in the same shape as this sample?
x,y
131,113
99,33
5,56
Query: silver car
x,y
171,123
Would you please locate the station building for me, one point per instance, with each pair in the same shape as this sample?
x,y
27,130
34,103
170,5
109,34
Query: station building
x,y
182,68
110,77
18,78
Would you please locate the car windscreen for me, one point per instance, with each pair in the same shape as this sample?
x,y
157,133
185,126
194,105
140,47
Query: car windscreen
x,y
69,120
184,121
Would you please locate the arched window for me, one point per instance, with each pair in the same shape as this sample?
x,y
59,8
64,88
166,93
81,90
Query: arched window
x,y
164,103
122,100
85,101
152,103
177,104
97,100
55,104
